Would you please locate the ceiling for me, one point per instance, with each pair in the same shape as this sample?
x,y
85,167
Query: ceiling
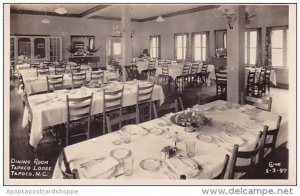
x,y
138,12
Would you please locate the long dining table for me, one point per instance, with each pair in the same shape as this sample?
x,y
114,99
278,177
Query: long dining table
x,y
37,84
50,109
212,143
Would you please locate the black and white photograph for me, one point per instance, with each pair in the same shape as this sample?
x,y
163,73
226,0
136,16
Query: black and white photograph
x,y
149,93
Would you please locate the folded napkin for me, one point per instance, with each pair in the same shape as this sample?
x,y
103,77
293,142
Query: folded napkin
x,y
100,167
183,166
231,139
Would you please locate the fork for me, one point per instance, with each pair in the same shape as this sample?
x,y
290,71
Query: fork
x,y
93,161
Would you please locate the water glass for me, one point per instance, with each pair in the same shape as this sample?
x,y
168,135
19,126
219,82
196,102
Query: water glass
x,y
190,148
128,166
252,114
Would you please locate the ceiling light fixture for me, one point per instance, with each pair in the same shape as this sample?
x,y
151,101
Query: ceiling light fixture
x,y
45,20
160,19
61,10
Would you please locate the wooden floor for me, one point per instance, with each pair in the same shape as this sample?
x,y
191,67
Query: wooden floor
x,y
48,150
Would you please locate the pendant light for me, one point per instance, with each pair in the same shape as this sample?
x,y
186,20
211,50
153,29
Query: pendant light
x,y
45,20
61,10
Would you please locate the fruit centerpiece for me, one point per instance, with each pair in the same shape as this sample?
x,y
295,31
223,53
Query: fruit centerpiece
x,y
191,118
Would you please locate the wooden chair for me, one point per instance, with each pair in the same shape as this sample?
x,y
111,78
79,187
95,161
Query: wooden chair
x,y
164,76
181,104
112,104
120,119
34,65
260,84
60,69
132,72
78,79
273,134
194,76
114,79
54,82
97,76
75,68
221,83
260,103
165,108
204,73
250,83
183,78
252,156
65,167
267,81
42,71
144,100
79,113
223,171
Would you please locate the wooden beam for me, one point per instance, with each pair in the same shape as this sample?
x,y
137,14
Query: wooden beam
x,y
197,9
91,11
31,12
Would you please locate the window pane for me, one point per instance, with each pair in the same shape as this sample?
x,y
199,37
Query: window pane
x,y
277,39
179,41
184,53
253,39
197,41
203,40
179,53
277,57
184,41
246,38
117,48
197,54
246,56
203,54
252,56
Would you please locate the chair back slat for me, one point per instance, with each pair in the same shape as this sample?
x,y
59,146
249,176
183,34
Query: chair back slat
x,y
97,76
78,79
194,68
55,82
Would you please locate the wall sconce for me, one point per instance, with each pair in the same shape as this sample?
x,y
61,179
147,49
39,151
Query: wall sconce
x,y
229,15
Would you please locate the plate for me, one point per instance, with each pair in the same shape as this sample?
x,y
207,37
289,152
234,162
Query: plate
x,y
204,138
150,164
183,166
120,153
117,142
104,175
134,130
156,131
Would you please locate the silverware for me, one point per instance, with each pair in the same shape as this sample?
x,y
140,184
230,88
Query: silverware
x,y
93,161
199,167
121,174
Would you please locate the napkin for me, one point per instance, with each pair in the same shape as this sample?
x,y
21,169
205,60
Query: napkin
x,y
248,107
100,167
231,139
183,166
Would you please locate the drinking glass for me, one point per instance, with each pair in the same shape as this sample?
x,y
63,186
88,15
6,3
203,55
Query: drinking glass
x,y
128,166
190,148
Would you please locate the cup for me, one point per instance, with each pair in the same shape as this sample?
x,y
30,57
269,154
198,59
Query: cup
x,y
190,148
252,114
128,166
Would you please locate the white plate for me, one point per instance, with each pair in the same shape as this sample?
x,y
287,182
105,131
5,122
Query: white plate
x,y
204,138
183,166
150,164
120,153
156,131
134,130
104,175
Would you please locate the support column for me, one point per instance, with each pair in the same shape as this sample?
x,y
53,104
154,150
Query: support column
x,y
126,41
235,57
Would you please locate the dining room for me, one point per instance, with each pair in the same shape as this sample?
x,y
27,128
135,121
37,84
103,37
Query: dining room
x,y
150,94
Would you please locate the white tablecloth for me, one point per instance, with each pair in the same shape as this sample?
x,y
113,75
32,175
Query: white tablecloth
x,y
39,84
209,155
176,70
54,111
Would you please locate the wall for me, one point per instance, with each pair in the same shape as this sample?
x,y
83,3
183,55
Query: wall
x,y
65,27
210,20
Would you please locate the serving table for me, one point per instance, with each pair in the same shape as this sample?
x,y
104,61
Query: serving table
x,y
209,154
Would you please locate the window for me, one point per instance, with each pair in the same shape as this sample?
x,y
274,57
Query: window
x,y
279,47
155,46
181,41
200,46
250,47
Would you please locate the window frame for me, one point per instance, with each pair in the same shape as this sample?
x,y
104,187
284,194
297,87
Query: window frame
x,y
206,33
187,46
248,48
158,48
285,30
